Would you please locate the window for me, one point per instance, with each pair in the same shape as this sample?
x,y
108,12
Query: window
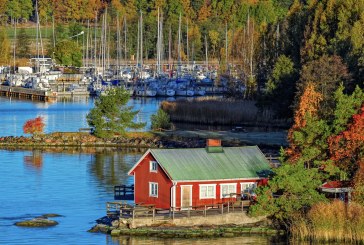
x,y
248,186
226,189
153,189
153,166
207,191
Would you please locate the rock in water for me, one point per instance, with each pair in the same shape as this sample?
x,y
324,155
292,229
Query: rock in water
x,y
50,215
38,222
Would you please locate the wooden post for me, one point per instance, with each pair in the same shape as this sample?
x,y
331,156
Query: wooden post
x,y
205,211
133,213
228,209
153,213
188,212
222,208
242,206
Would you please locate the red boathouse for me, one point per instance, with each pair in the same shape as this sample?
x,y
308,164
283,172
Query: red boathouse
x,y
185,178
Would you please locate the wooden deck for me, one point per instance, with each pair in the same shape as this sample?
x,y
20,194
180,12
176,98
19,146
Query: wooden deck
x,y
124,210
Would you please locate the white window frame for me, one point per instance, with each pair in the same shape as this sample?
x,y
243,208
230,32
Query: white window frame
x,y
250,185
213,196
153,189
232,190
153,166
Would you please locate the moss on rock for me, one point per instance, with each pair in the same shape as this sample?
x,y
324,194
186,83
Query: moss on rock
x,y
38,222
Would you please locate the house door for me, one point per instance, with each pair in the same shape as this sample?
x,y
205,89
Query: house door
x,y
186,196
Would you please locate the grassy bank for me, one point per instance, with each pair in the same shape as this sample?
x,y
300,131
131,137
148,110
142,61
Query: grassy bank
x,y
331,222
216,111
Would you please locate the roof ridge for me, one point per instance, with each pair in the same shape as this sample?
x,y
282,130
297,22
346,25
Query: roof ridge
x,y
248,146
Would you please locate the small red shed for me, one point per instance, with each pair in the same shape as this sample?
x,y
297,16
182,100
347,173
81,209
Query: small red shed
x,y
185,178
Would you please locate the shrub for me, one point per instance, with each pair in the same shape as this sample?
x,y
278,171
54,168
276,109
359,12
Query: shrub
x,y
161,120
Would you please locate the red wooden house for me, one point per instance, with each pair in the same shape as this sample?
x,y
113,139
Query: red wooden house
x,y
184,178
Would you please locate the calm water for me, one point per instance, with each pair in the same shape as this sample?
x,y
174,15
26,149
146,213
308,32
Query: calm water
x,y
75,184
66,114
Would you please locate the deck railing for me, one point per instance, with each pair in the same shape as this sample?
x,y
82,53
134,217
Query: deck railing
x,y
124,210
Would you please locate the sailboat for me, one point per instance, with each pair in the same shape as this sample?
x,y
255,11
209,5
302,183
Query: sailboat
x,y
143,90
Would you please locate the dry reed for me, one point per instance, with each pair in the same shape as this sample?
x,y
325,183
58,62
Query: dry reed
x,y
216,111
331,222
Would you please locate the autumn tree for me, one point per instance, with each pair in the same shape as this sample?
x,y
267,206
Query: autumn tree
x,y
347,152
214,40
34,126
326,73
307,137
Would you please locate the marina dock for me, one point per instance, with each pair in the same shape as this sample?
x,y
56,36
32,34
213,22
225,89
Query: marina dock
x,y
27,93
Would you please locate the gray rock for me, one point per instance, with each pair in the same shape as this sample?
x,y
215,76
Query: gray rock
x,y
37,222
115,223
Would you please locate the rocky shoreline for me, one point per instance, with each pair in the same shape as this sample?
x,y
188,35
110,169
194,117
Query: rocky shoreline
x,y
132,140
165,231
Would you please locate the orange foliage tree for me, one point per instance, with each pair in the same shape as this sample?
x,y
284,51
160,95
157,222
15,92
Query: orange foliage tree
x,y
308,106
347,151
34,126
347,147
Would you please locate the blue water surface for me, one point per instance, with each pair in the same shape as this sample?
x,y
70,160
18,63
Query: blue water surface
x,y
62,115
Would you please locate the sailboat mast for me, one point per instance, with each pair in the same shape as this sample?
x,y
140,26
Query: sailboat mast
x,y
179,45
226,47
158,45
207,62
141,42
125,54
188,51
87,44
36,38
95,46
15,21
170,51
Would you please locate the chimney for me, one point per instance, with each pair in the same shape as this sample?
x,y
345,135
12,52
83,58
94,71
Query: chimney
x,y
214,146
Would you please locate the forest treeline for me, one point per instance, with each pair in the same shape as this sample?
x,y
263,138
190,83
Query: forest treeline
x,y
278,45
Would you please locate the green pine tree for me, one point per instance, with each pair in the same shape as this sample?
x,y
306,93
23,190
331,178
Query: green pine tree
x,y
111,115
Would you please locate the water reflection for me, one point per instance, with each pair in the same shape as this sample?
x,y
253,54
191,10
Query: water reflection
x,y
111,166
35,160
252,239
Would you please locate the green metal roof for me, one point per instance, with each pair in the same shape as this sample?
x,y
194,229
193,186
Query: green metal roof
x,y
199,164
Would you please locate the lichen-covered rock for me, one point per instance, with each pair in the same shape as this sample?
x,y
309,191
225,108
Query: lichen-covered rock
x,y
115,232
115,223
37,222
100,228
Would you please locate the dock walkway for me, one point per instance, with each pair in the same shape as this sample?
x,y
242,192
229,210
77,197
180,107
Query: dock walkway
x,y
27,93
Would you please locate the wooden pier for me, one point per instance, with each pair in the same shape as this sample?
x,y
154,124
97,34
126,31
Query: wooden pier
x,y
27,93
